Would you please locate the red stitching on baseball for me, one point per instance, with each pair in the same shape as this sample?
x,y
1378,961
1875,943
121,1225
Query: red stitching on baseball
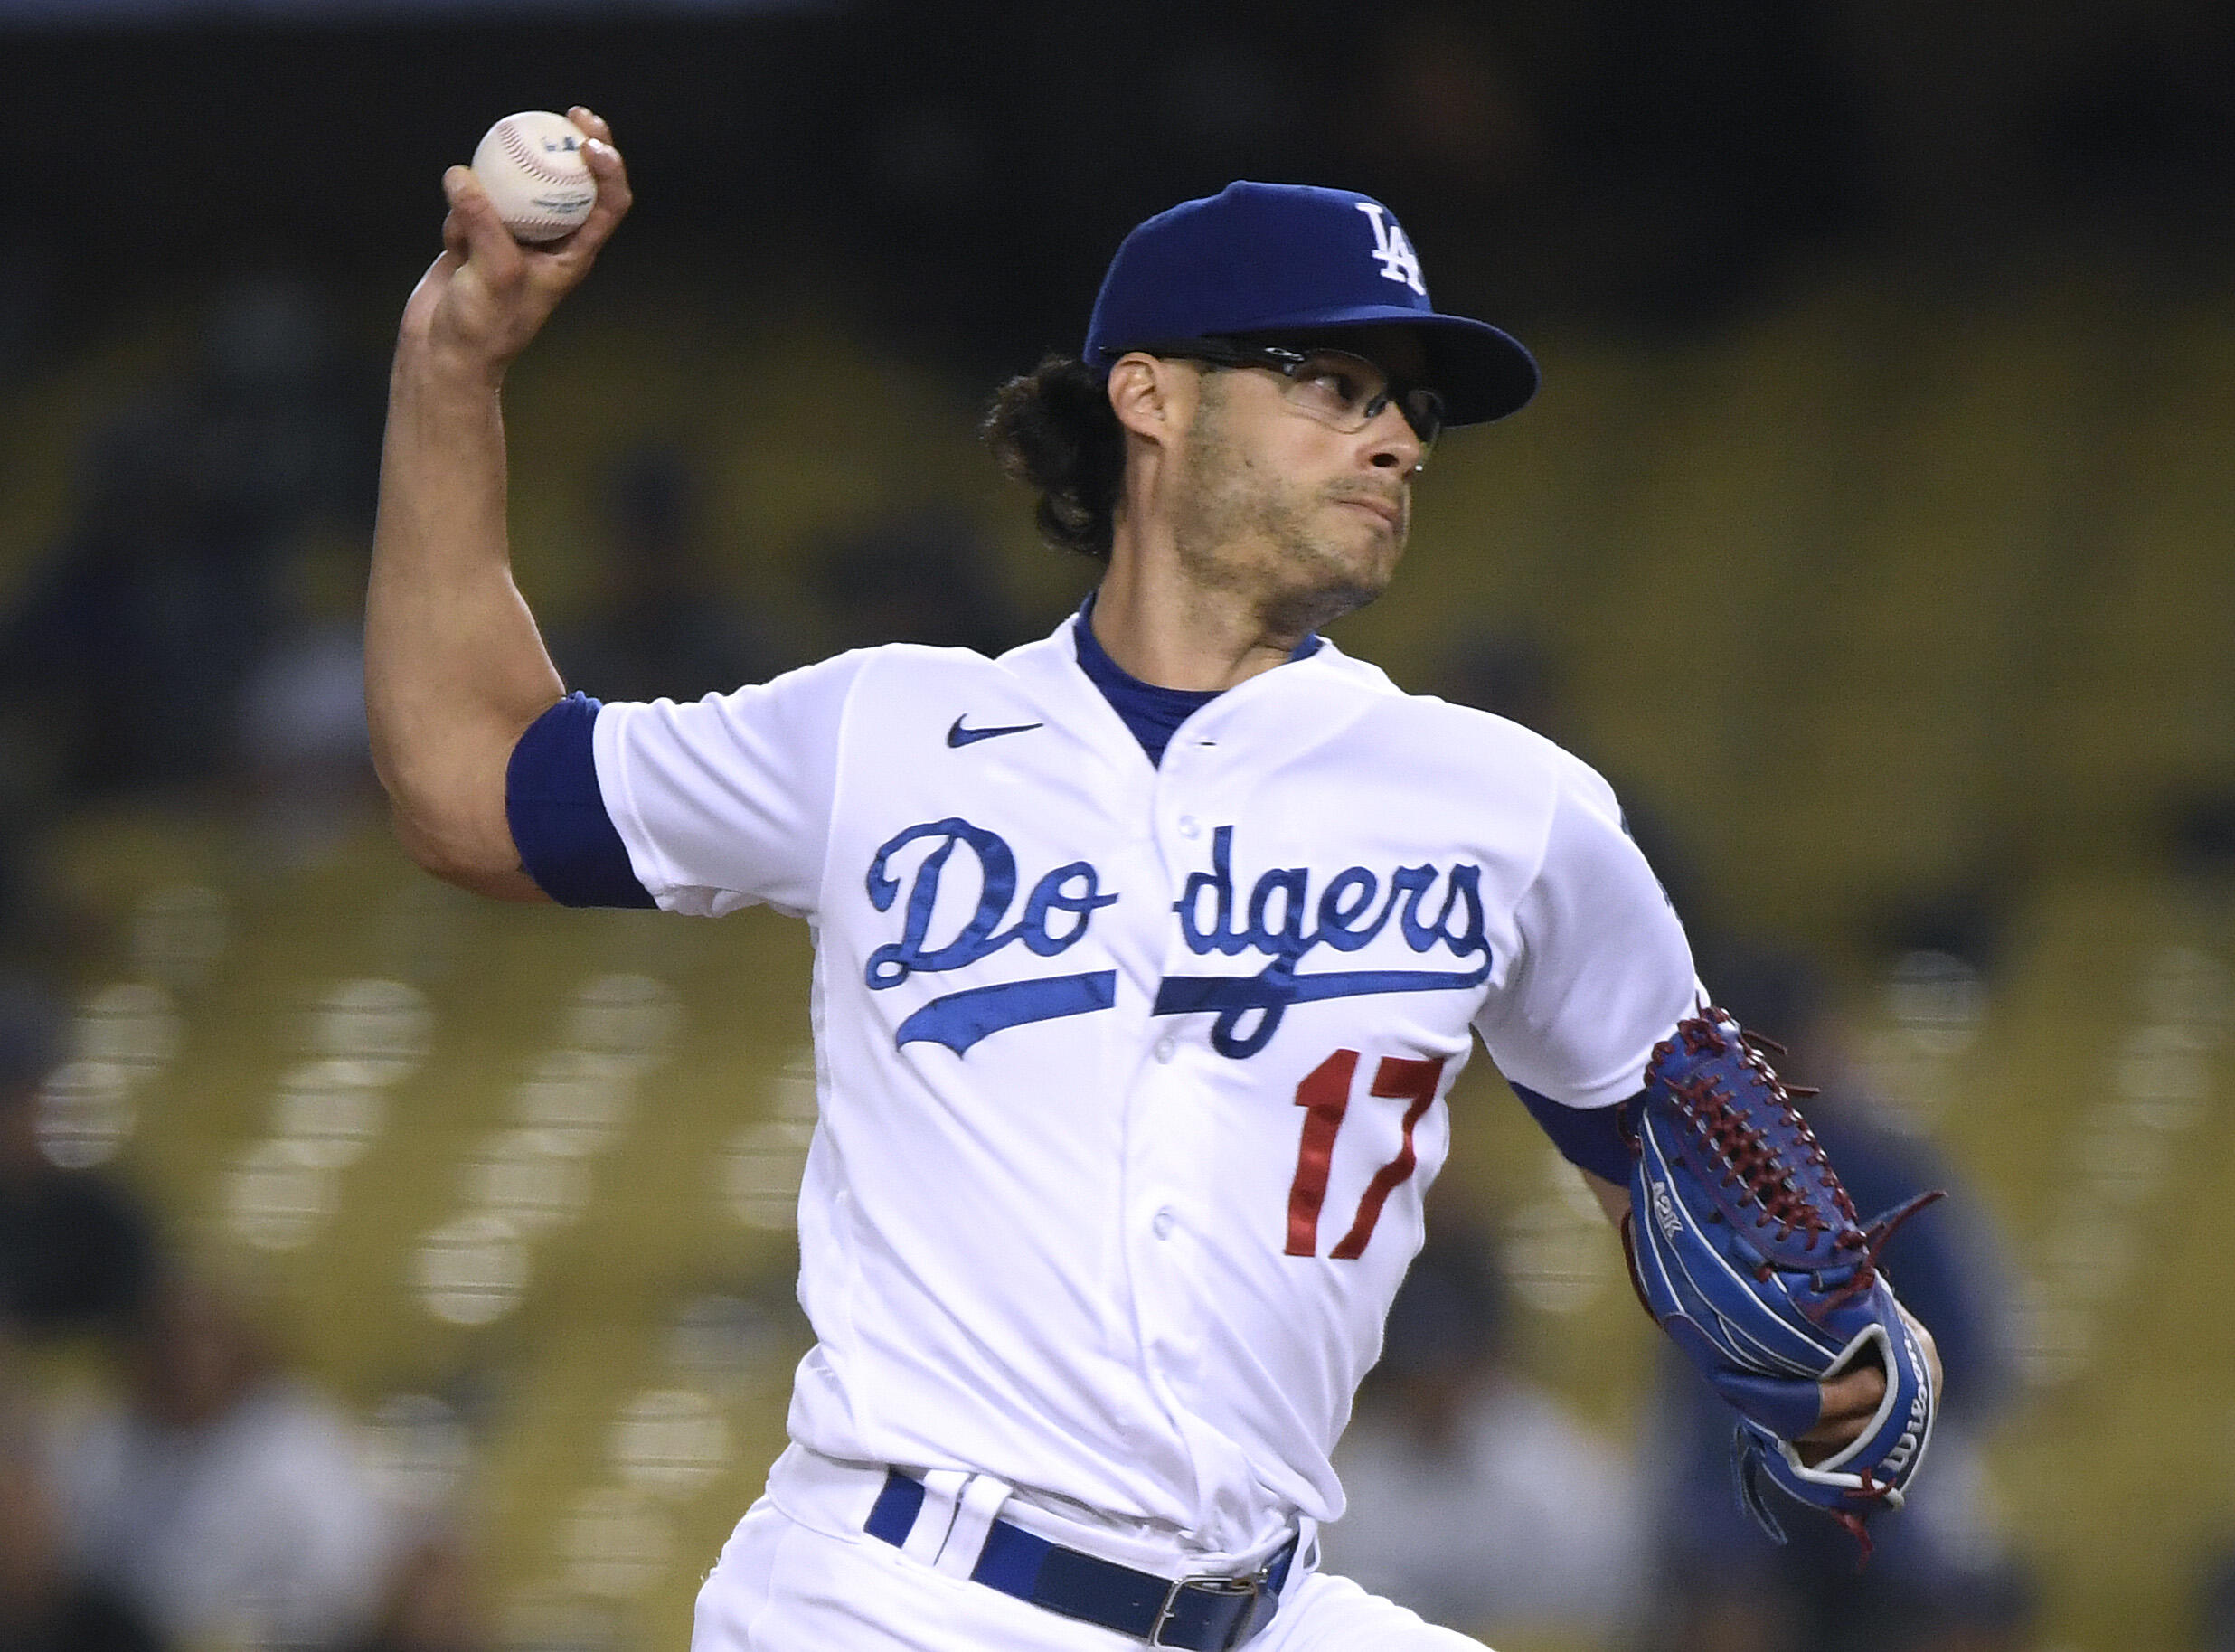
x,y
532,160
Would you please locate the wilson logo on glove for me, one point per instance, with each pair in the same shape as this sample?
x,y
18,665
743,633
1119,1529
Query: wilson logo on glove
x,y
1757,1267
1912,1438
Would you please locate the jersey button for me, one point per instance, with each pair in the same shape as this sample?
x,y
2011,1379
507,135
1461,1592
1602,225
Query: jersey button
x,y
1166,1048
1163,1225
1189,826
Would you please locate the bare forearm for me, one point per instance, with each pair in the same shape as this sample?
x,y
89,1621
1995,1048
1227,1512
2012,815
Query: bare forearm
x,y
1612,1198
454,669
453,666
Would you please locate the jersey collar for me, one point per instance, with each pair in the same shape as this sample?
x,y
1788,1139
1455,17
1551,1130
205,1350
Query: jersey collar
x,y
1097,663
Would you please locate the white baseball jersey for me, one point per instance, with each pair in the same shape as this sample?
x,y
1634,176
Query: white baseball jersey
x,y
1132,1077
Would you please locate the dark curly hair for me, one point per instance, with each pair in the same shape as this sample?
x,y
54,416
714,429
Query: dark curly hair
x,y
1053,429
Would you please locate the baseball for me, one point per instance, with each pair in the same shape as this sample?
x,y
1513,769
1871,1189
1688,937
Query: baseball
x,y
531,165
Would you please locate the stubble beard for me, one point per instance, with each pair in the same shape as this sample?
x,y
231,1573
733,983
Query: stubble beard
x,y
1238,528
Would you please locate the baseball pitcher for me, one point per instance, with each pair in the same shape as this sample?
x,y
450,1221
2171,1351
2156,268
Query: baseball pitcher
x,y
1146,955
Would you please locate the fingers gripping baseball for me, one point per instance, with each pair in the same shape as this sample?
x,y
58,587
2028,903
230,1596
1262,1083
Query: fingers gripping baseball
x,y
613,194
488,295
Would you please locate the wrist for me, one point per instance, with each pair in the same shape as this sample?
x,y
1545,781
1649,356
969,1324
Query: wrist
x,y
441,366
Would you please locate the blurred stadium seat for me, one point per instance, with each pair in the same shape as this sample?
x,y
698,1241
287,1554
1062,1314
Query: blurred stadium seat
x,y
1861,599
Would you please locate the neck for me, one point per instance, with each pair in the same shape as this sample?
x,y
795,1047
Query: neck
x,y
1167,627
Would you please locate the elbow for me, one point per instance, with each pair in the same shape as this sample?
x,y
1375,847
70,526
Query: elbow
x,y
459,834
470,861
447,807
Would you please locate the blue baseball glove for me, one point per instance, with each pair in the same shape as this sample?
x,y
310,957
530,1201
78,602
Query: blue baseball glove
x,y
1746,1250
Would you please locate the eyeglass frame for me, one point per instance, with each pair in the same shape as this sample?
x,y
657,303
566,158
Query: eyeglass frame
x,y
1288,360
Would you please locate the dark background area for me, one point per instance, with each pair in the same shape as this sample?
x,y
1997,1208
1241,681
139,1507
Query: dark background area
x,y
1651,163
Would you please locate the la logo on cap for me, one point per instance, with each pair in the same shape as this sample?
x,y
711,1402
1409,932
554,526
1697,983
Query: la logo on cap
x,y
1284,260
1399,262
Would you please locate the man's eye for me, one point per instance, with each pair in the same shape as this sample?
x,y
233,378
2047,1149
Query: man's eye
x,y
1338,384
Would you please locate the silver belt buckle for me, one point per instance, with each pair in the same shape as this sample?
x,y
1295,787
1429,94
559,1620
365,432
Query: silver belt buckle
x,y
1250,1586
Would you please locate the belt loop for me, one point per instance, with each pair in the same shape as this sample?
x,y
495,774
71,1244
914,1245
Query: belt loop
x,y
966,1540
941,1488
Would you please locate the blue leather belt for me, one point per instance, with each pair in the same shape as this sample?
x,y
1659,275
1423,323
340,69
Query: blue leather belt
x,y
1205,1614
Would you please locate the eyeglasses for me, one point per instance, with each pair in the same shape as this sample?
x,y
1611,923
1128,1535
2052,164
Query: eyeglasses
x,y
1342,391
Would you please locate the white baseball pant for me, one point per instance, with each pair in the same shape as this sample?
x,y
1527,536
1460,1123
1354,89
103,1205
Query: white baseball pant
x,y
799,1574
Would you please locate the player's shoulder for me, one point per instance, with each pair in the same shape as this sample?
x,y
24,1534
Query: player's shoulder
x,y
1396,717
911,671
813,696
895,666
908,659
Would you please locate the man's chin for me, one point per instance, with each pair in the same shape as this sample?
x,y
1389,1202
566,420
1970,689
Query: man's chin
x,y
1293,613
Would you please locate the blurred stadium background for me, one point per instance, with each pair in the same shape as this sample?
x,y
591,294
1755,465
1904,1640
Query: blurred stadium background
x,y
1869,534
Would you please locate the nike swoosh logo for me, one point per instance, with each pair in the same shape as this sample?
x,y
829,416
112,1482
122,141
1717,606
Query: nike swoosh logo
x,y
960,736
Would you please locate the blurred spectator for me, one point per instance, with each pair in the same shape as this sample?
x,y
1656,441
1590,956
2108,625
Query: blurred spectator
x,y
1474,1497
1941,1576
659,623
76,1248
126,649
1964,918
304,756
2201,831
926,577
2215,1626
76,1254
283,422
433,1603
24,905
224,1502
42,1608
124,655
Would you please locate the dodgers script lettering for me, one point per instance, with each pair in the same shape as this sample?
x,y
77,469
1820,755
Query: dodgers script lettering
x,y
1289,914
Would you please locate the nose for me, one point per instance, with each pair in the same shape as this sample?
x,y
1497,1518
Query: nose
x,y
1393,443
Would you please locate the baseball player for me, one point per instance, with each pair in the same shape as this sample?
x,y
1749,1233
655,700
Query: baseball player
x,y
1146,954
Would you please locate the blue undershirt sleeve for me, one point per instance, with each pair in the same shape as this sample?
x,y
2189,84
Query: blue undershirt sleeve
x,y
566,839
1588,1137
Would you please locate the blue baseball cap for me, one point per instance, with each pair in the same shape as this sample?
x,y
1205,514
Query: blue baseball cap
x,y
1293,258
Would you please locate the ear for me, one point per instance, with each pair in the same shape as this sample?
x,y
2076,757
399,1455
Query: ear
x,y
1150,396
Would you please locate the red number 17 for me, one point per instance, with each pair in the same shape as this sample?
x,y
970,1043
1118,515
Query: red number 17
x,y
1325,1097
